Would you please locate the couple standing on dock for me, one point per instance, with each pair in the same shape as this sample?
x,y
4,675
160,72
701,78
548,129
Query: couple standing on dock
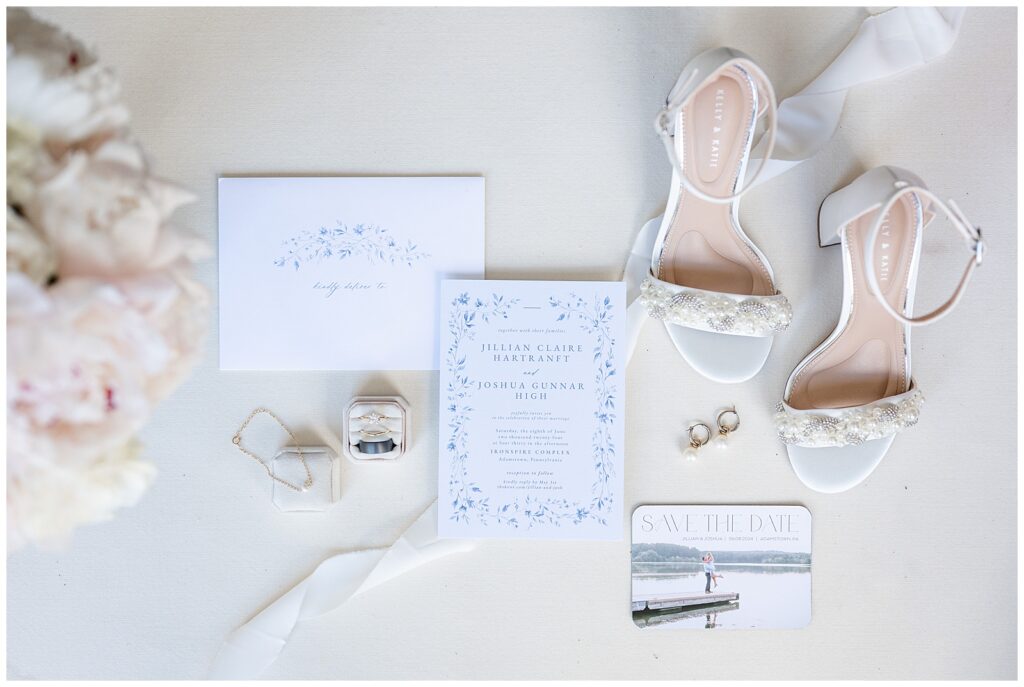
x,y
709,572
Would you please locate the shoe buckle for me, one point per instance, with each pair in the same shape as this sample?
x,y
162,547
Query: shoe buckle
x,y
663,123
979,247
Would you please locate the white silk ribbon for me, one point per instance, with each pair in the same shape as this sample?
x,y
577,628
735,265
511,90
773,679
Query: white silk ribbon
x,y
251,649
886,44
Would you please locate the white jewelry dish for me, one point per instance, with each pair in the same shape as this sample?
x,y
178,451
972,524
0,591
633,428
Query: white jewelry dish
x,y
376,420
288,465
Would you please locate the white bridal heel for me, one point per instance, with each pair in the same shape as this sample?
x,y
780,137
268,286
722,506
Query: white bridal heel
x,y
708,282
845,402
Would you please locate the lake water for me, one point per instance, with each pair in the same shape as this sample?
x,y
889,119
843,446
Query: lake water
x,y
771,596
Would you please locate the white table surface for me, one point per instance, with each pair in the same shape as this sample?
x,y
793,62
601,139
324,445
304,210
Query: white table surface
x,y
914,571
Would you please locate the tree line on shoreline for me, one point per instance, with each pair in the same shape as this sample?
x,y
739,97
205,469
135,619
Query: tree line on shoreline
x,y
677,553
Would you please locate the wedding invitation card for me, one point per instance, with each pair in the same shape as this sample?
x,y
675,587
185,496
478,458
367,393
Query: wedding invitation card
x,y
531,409
342,273
721,567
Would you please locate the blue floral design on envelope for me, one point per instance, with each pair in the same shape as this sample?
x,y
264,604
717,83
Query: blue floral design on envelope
x,y
370,242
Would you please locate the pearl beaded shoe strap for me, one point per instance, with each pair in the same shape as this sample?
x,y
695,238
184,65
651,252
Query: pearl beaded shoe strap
x,y
849,426
712,311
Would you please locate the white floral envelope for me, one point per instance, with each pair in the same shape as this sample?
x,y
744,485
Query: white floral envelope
x,y
341,273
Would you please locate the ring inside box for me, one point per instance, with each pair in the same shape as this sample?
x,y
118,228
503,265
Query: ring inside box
x,y
376,428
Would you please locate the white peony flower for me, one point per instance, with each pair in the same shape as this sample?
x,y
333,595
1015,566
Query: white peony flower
x,y
45,503
103,316
27,251
176,307
105,217
78,361
27,162
78,357
56,87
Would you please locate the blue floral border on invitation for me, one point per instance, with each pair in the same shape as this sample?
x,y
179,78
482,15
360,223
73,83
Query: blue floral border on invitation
x,y
467,499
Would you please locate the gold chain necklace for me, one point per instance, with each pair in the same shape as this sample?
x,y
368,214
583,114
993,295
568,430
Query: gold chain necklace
x,y
237,441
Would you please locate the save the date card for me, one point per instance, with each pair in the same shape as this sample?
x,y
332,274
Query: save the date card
x,y
721,567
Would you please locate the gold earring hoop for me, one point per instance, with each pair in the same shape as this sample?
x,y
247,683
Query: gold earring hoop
x,y
726,426
700,434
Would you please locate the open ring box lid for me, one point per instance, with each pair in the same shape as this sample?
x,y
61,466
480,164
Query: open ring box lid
x,y
393,407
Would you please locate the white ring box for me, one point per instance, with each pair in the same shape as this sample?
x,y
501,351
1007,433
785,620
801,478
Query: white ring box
x,y
287,465
398,425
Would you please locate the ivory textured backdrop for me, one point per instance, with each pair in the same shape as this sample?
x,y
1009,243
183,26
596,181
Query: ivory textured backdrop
x,y
914,571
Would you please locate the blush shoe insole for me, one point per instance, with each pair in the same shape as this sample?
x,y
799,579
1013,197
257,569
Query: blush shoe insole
x,y
868,360
702,247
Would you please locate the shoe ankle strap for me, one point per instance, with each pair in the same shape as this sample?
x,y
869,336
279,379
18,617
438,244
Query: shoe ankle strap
x,y
686,86
972,239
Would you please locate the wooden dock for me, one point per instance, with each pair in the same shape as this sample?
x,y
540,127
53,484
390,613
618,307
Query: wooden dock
x,y
654,618
664,602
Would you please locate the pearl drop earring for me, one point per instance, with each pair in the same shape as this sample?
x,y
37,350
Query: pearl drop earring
x,y
697,439
725,428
